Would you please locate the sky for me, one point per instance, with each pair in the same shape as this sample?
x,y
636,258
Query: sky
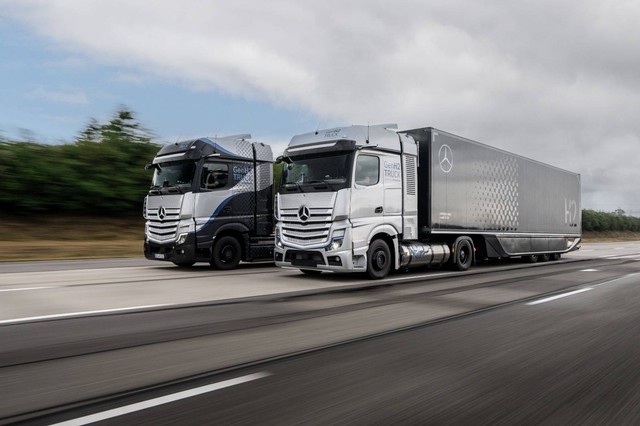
x,y
557,81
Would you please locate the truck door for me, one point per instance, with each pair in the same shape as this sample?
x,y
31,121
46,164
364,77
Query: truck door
x,y
367,197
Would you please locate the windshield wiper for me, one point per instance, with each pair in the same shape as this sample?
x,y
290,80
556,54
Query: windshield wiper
x,y
330,186
286,185
155,190
176,187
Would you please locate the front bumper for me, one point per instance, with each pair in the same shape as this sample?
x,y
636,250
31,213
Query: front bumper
x,y
182,253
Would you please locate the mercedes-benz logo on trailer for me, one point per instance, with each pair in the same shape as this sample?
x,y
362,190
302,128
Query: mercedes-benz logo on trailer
x,y
304,213
445,157
162,213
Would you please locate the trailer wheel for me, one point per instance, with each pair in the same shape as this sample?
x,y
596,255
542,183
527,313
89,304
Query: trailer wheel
x,y
378,260
226,253
310,272
555,256
532,258
544,257
463,255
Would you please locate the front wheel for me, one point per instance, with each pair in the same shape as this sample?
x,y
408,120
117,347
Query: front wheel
x,y
227,252
378,260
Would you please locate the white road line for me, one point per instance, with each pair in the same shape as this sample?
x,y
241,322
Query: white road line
x,y
589,270
559,296
161,400
76,314
23,289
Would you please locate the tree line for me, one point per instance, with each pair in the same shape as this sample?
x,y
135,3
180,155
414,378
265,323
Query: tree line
x,y
102,173
606,222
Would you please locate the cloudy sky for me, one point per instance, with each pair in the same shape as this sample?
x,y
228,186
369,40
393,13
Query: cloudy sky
x,y
558,81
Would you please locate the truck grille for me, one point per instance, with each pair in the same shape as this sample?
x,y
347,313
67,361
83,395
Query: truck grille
x,y
314,230
163,229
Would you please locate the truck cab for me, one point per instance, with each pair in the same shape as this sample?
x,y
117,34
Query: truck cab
x,y
342,190
210,200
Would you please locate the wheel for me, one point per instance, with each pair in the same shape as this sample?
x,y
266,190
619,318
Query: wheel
x,y
544,257
462,255
226,253
311,272
378,260
555,256
184,264
532,258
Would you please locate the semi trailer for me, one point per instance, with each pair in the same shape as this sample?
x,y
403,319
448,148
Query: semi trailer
x,y
211,200
373,199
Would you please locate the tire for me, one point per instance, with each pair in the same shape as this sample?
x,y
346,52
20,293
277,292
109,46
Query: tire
x,y
532,258
462,255
544,257
184,264
227,252
378,260
555,256
310,272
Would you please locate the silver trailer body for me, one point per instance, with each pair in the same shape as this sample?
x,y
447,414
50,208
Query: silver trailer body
x,y
520,205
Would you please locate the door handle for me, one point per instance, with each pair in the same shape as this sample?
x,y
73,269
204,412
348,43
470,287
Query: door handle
x,y
378,209
226,210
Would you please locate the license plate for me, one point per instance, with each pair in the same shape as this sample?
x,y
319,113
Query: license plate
x,y
158,255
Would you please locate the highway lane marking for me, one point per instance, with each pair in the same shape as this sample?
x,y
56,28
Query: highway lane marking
x,y
559,296
127,409
24,289
76,314
617,279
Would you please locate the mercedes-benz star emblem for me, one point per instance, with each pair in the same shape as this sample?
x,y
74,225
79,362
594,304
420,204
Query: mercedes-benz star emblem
x,y
445,157
304,213
162,213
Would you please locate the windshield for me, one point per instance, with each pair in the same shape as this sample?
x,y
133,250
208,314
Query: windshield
x,y
173,177
320,172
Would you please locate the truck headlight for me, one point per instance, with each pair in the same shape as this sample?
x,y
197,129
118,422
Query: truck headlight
x,y
278,240
182,238
336,243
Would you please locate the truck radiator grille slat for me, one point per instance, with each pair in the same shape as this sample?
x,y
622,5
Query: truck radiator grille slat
x,y
313,230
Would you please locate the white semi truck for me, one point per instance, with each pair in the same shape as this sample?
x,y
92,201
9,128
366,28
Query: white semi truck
x,y
373,199
211,200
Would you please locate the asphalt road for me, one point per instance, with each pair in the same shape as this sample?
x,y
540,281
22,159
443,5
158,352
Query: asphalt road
x,y
425,347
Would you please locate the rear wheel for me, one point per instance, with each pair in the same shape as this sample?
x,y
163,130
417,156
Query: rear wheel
x,y
544,257
532,258
378,260
555,256
227,252
462,255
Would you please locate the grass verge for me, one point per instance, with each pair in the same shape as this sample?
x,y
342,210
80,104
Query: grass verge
x,y
79,237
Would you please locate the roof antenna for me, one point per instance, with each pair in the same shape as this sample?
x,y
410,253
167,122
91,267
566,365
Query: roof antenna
x,y
367,132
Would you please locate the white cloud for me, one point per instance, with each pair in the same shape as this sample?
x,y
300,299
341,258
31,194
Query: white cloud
x,y
547,79
65,97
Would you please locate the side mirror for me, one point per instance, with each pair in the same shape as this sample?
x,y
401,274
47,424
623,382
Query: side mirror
x,y
150,166
282,158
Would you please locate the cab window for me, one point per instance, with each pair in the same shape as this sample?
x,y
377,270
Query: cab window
x,y
367,170
214,176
